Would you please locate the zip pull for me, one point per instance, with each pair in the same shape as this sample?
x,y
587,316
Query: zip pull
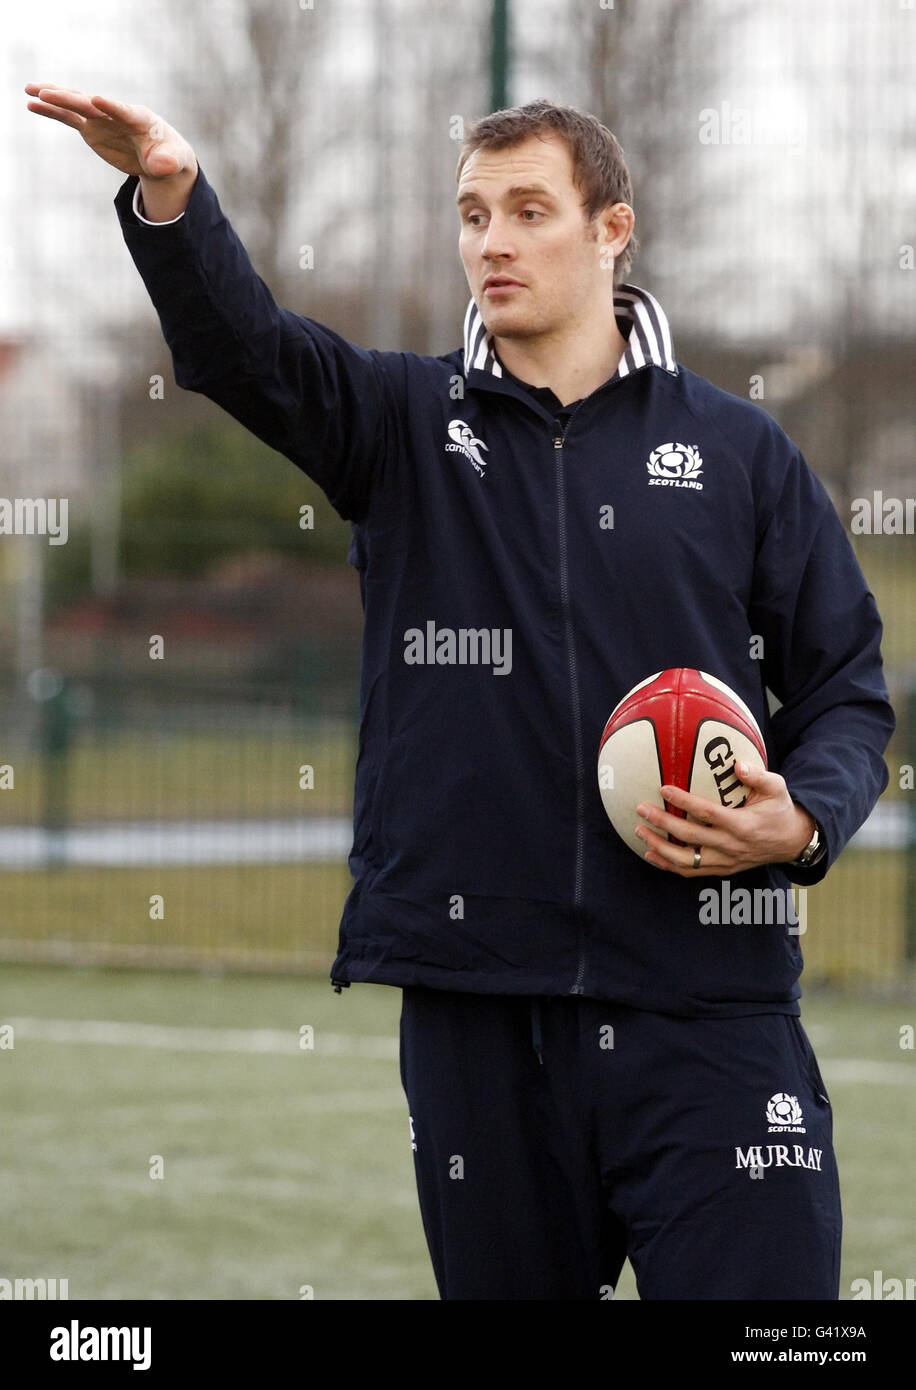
x,y
558,441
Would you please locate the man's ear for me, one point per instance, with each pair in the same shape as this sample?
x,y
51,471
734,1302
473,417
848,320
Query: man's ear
x,y
615,227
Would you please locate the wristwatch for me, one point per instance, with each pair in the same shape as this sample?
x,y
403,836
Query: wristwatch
x,y
813,852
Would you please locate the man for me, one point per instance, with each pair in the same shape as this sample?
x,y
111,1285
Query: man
x,y
592,1071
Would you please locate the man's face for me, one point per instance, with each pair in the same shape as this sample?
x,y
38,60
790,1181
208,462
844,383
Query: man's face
x,y
532,261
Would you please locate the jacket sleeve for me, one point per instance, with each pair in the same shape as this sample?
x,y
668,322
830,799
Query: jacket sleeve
x,y
822,654
320,400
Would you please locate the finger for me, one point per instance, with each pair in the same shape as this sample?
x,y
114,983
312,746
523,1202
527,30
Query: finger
x,y
33,88
137,117
676,859
705,871
700,807
657,862
693,832
66,117
70,99
760,778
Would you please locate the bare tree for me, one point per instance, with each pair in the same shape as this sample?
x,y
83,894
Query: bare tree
x,y
450,79
643,70
263,108
857,211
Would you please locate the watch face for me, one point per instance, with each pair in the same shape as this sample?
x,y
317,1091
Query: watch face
x,y
813,851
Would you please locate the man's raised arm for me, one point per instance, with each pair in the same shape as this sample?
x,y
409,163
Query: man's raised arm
x,y
320,400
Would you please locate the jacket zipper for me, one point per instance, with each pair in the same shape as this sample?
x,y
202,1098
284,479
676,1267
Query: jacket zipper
x,y
558,441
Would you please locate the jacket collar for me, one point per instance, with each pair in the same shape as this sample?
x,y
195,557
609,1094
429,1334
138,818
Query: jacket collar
x,y
640,318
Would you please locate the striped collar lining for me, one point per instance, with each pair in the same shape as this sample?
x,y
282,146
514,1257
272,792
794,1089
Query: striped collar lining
x,y
640,318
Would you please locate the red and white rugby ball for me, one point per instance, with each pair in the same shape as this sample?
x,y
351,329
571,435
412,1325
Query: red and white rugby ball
x,y
680,727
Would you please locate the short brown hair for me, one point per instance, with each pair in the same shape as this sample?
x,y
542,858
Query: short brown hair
x,y
599,167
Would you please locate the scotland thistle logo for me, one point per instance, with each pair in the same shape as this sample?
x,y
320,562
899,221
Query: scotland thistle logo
x,y
784,1113
675,465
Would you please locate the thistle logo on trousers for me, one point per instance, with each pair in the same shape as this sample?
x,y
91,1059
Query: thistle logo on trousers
x,y
784,1113
464,442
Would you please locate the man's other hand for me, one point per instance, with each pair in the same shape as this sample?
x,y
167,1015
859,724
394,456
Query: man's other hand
x,y
769,828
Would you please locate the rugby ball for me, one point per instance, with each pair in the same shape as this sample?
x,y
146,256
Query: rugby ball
x,y
680,727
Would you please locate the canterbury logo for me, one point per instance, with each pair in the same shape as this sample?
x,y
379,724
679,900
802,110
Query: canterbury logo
x,y
675,465
464,442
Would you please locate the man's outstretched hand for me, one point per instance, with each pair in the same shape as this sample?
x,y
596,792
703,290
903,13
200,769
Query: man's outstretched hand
x,y
132,138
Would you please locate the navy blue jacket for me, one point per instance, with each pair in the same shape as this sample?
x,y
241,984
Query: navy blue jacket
x,y
518,576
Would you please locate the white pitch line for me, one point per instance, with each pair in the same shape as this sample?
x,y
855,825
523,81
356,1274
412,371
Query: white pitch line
x,y
180,1039
303,840
858,1071
837,1070
294,840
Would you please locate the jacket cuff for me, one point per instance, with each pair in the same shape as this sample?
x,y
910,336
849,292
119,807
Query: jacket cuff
x,y
137,204
808,875
128,201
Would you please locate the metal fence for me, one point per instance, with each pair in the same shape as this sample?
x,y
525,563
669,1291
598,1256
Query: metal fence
x,y
205,822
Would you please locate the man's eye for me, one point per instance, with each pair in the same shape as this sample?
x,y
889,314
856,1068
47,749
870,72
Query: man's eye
x,y
530,214
475,219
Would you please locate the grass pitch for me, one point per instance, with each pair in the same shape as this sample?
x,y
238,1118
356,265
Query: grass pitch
x,y
288,1168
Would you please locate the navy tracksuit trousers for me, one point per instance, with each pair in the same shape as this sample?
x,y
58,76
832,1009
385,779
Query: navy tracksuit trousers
x,y
555,1137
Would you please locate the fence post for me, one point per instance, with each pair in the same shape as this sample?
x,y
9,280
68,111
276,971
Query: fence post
x,y
499,55
55,714
909,899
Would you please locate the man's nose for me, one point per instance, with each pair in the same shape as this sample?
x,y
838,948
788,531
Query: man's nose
x,y
498,241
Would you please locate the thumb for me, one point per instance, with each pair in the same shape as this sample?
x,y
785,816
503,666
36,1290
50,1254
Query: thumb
x,y
758,779
165,149
162,161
